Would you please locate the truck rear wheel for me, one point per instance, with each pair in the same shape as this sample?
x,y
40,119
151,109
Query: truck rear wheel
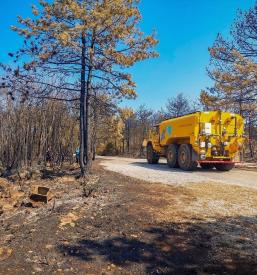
x,y
224,166
207,166
185,158
172,156
152,157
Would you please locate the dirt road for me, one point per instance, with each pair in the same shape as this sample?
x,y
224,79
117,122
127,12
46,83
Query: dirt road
x,y
140,169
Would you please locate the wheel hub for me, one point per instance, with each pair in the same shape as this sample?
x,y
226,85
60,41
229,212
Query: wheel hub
x,y
170,155
183,156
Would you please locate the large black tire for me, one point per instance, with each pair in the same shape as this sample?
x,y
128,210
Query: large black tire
x,y
152,157
172,156
185,158
224,166
207,166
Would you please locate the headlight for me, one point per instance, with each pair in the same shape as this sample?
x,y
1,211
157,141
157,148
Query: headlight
x,y
202,157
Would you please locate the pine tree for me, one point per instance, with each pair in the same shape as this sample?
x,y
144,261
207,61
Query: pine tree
x,y
84,45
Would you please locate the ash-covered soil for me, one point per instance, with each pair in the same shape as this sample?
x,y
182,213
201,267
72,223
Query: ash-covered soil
x,y
128,226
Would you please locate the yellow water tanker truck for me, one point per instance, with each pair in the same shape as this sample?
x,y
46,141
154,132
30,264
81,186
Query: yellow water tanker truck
x,y
211,139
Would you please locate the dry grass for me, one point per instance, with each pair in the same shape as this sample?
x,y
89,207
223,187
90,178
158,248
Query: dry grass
x,y
218,200
205,201
227,214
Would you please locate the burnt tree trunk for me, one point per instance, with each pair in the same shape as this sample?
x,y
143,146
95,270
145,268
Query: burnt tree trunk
x,y
89,110
83,148
250,137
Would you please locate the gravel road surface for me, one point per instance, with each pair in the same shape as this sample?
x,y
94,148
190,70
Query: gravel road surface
x,y
140,169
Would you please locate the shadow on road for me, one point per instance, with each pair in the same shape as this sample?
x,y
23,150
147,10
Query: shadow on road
x,y
226,246
165,167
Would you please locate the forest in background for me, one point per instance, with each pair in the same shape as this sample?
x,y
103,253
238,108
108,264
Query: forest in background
x,y
39,126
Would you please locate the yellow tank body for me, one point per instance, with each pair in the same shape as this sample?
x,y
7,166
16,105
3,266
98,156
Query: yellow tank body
x,y
212,137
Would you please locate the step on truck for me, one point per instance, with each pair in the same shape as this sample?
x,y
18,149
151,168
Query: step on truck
x,y
211,139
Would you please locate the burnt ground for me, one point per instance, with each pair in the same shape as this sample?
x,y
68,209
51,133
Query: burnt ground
x,y
128,226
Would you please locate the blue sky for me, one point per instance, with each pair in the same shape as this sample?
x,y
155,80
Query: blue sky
x,y
185,29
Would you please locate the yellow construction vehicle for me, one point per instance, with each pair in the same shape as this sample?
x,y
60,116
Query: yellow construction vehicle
x,y
211,139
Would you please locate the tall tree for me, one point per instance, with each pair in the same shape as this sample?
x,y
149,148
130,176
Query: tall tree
x,y
244,32
143,116
234,71
84,45
127,116
235,85
178,106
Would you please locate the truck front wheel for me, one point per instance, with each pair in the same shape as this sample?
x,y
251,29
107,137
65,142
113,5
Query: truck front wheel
x,y
172,156
185,158
152,157
224,166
